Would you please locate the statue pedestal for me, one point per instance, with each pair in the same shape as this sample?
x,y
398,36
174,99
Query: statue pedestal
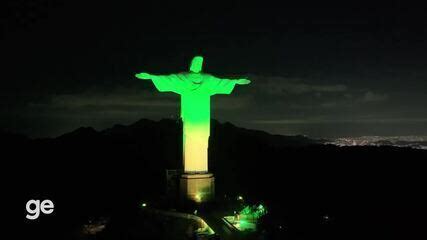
x,y
197,187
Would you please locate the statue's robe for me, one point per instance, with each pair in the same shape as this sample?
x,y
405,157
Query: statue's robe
x,y
195,112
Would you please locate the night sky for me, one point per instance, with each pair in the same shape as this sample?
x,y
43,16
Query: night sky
x,y
318,69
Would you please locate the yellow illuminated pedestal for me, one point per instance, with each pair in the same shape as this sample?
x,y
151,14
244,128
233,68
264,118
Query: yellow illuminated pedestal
x,y
197,187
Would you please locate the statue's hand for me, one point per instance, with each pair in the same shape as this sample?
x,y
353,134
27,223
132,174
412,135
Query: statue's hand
x,y
243,81
145,76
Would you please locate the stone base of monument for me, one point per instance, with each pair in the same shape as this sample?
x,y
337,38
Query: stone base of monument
x,y
197,187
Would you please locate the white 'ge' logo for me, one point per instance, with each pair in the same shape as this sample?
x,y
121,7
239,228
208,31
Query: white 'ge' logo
x,y
34,207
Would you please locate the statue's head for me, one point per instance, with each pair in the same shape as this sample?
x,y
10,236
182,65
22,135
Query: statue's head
x,y
196,64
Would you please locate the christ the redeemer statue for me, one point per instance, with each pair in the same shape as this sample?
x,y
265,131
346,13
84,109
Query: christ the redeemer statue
x,y
195,89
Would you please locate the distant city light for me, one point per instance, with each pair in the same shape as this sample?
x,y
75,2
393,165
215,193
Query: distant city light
x,y
240,198
143,204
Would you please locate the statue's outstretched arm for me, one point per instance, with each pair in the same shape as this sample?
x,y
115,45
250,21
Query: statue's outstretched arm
x,y
163,83
225,86
240,81
145,76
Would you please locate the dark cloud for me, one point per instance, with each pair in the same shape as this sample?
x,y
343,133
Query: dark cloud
x,y
374,97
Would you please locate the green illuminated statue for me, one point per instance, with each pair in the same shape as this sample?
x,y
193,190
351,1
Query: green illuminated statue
x,y
195,89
